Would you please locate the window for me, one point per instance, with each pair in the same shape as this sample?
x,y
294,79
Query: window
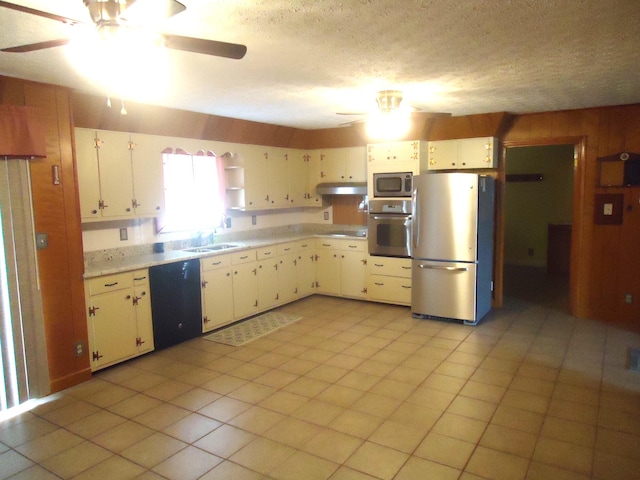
x,y
193,192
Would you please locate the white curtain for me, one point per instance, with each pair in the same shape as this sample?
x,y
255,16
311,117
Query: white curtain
x,y
194,190
22,342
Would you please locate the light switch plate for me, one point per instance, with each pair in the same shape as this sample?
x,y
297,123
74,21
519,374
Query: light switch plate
x,y
42,241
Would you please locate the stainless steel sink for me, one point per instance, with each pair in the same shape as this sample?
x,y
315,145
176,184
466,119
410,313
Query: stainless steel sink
x,y
216,247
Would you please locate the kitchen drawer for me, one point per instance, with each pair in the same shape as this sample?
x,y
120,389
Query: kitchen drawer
x,y
109,283
215,261
306,245
267,252
352,245
243,257
392,266
326,243
341,244
290,247
389,289
141,277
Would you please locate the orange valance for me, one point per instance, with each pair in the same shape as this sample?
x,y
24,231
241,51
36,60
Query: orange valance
x,y
22,132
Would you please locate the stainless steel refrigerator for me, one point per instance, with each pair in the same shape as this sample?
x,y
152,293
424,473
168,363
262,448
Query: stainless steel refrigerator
x,y
452,246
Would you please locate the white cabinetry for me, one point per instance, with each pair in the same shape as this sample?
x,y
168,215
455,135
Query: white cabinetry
x,y
262,178
245,283
341,267
389,280
118,317
305,268
268,286
303,172
341,165
119,175
394,152
217,291
466,153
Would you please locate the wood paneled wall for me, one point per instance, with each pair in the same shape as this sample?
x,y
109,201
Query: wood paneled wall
x,y
605,258
56,212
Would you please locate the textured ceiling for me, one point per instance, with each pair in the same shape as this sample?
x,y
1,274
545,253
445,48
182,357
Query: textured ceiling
x,y
308,59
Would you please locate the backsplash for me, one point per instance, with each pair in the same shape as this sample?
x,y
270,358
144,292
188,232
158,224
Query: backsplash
x,y
109,254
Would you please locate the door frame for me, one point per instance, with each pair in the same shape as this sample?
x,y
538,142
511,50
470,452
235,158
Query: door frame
x,y
577,270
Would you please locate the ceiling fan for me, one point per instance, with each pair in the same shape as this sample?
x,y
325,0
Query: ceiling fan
x,y
110,15
388,102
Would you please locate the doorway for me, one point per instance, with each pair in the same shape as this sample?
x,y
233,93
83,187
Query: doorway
x,y
538,212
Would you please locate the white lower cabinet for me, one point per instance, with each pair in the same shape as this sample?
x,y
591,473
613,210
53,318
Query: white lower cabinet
x,y
268,288
341,267
118,317
305,269
217,291
389,280
245,283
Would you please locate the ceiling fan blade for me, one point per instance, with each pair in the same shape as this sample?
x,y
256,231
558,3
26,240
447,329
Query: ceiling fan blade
x,y
207,47
37,46
39,13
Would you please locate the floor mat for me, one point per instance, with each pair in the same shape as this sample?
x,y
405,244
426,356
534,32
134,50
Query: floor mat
x,y
253,328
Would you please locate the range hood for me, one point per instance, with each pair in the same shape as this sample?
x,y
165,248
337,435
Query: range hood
x,y
348,188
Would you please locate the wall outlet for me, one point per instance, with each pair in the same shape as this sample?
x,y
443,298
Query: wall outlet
x,y
227,222
254,220
79,349
326,215
124,235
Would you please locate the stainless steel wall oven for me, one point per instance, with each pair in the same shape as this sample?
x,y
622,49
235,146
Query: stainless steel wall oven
x,y
389,228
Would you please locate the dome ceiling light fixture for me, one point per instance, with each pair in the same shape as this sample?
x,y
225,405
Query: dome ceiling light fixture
x,y
390,122
388,100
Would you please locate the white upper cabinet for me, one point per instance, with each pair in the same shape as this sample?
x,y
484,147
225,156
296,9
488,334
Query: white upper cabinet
x,y
465,153
342,165
394,152
119,175
302,189
146,166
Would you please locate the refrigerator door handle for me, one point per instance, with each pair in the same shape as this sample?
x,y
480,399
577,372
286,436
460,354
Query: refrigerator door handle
x,y
391,217
415,214
450,269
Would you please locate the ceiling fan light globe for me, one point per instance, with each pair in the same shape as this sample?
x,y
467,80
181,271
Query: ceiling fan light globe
x,y
105,11
389,100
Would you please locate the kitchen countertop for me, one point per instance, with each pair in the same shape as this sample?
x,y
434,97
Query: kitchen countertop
x,y
127,263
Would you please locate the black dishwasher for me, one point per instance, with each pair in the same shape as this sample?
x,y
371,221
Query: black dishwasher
x,y
176,306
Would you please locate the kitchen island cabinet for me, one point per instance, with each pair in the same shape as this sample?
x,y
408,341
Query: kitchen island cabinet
x,y
118,317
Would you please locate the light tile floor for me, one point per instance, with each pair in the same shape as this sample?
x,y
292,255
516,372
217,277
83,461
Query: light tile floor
x,y
353,391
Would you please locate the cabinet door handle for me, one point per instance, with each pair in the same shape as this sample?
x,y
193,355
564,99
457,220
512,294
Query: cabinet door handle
x,y
110,284
137,279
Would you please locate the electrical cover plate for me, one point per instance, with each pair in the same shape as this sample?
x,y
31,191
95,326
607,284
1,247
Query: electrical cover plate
x,y
634,360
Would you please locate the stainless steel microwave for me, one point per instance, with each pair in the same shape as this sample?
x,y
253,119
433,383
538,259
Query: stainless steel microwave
x,y
398,184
